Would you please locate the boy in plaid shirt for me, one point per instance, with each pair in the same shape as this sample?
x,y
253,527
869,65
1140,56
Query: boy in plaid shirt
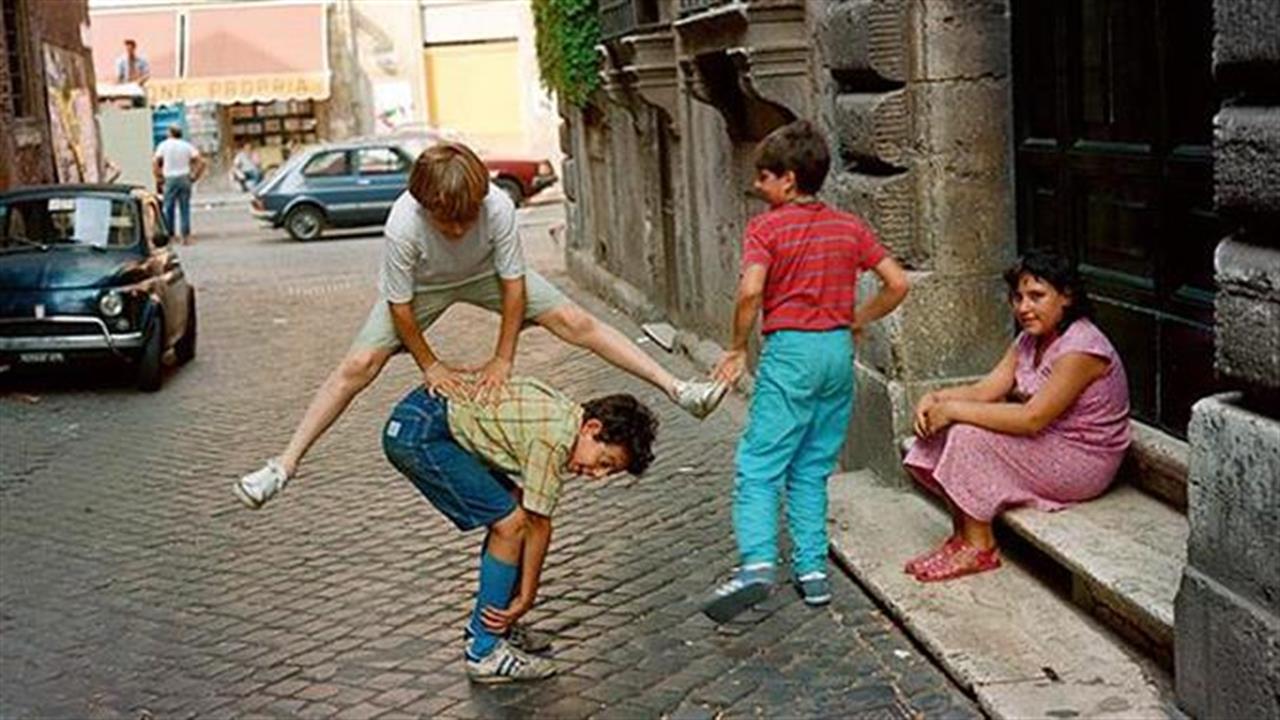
x,y
500,465
800,260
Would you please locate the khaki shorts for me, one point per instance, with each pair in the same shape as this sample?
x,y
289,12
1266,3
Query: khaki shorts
x,y
430,303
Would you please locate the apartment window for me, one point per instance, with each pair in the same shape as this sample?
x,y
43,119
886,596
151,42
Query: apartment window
x,y
19,100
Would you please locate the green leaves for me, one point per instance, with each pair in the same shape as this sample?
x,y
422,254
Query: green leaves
x,y
567,34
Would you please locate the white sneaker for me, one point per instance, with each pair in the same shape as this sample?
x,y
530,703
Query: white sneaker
x,y
506,664
259,486
700,398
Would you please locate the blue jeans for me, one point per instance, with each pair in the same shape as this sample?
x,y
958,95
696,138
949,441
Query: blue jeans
x,y
800,411
177,196
417,441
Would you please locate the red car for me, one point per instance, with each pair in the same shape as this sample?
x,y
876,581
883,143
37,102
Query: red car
x,y
521,178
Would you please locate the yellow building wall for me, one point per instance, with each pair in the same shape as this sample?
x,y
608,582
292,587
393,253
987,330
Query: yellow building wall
x,y
474,88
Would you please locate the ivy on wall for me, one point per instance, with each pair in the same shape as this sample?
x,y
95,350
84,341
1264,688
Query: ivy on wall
x,y
567,34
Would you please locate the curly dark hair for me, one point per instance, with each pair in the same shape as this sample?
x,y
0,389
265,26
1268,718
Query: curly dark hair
x,y
626,422
1058,271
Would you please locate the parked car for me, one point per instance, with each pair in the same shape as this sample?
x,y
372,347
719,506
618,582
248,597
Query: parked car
x,y
86,272
353,184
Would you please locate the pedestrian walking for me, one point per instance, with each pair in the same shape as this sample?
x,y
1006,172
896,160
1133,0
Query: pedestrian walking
x,y
801,260
131,67
500,465
180,164
452,237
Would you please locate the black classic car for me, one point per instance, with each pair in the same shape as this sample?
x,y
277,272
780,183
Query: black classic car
x,y
86,273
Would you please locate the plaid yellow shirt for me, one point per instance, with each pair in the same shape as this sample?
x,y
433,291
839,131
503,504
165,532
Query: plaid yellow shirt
x,y
528,433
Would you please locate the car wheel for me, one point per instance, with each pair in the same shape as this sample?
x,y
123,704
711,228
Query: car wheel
x,y
185,349
511,188
150,362
304,222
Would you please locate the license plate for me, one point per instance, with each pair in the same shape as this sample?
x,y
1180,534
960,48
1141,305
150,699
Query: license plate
x,y
41,357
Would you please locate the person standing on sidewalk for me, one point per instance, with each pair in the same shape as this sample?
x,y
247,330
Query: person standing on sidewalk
x,y
451,237
802,259
180,164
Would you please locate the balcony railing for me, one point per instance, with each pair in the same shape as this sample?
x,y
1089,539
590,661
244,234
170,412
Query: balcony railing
x,y
620,17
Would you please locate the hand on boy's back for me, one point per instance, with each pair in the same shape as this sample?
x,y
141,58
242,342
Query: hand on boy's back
x,y
490,378
730,367
440,379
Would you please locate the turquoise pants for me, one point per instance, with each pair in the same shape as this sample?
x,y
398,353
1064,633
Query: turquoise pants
x,y
799,415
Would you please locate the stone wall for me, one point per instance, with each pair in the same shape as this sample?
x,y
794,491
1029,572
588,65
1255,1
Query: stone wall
x,y
26,156
922,115
1227,630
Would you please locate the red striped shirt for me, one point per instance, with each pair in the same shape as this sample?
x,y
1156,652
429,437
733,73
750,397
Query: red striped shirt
x,y
813,254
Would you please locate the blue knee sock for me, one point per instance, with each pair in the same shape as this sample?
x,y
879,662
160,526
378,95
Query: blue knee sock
x,y
497,581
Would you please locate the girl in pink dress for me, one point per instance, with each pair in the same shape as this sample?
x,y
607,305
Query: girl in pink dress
x,y
1047,427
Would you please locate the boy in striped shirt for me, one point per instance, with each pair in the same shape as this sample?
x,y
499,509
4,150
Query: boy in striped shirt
x,y
500,465
800,260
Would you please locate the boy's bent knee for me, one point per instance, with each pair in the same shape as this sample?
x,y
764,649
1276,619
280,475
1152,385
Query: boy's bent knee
x,y
512,527
568,321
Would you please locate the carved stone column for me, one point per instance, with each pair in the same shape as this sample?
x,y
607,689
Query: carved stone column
x,y
1227,617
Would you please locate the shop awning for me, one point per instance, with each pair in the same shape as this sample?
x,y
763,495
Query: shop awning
x,y
241,53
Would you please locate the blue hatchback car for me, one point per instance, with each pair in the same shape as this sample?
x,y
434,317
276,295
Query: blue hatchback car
x,y
346,185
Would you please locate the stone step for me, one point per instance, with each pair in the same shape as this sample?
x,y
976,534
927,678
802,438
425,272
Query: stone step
x,y
1125,552
1157,463
1020,648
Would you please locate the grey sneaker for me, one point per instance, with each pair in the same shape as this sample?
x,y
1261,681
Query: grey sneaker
x,y
506,664
526,639
699,398
814,588
259,486
747,587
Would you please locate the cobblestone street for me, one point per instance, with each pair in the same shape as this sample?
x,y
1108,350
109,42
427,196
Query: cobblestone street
x,y
133,584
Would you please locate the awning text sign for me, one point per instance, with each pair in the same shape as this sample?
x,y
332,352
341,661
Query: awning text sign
x,y
240,88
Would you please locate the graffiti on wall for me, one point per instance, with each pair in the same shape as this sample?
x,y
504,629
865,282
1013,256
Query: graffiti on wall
x,y
73,129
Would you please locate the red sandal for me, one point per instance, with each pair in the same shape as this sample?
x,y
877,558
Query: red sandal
x,y
967,560
949,546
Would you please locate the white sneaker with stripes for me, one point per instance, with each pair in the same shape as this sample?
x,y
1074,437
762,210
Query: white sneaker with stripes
x,y
506,664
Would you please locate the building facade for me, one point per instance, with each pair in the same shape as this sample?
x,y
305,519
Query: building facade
x,y
965,131
1228,604
48,125
344,68
228,73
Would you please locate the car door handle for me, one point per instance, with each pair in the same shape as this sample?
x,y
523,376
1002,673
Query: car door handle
x,y
363,181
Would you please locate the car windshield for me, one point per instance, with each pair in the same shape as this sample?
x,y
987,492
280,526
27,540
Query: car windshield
x,y
67,220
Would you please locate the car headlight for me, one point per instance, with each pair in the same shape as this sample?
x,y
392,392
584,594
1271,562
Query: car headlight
x,y
111,304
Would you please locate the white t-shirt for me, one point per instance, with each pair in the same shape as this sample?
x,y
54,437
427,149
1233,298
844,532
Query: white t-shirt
x,y
176,154
417,257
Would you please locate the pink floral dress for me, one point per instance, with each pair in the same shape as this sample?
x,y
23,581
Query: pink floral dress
x,y
1073,459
